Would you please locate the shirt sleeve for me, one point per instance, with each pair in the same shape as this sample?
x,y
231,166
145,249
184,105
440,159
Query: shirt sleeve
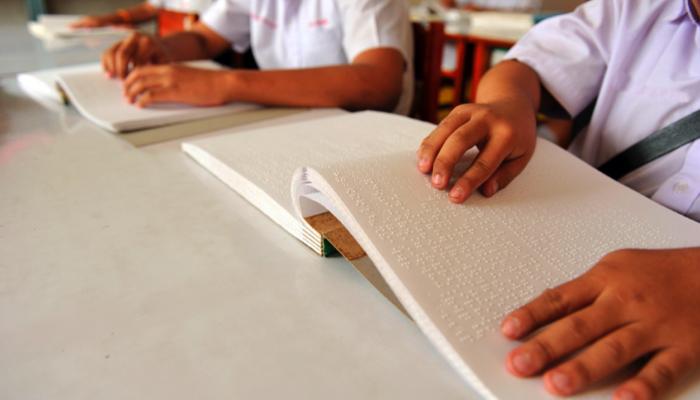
x,y
370,24
570,53
231,20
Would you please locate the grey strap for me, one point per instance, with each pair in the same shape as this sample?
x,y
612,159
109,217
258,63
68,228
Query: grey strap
x,y
661,142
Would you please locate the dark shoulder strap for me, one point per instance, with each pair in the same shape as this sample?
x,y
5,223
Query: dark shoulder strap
x,y
661,142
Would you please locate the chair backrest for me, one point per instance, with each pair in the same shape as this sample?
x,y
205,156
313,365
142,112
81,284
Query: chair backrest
x,y
429,40
174,21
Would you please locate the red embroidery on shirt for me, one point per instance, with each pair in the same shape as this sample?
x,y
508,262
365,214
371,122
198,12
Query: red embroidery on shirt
x,y
318,23
265,21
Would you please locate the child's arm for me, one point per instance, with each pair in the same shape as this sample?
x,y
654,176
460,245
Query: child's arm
x,y
501,123
140,49
632,304
373,80
134,15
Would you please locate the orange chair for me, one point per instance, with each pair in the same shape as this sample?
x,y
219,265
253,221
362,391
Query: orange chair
x,y
429,40
174,21
482,49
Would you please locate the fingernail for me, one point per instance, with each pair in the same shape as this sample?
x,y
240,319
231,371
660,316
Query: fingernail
x,y
424,163
625,394
492,189
511,327
560,382
522,363
438,180
457,193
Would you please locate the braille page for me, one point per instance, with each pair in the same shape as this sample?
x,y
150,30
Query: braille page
x,y
259,164
101,100
458,269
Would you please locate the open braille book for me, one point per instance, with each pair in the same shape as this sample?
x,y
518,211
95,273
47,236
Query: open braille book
x,y
100,99
456,269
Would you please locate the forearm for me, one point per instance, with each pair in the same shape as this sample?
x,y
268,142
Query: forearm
x,y
184,46
137,14
511,82
199,43
352,87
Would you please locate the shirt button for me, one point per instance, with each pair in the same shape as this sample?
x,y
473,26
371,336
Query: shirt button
x,y
680,187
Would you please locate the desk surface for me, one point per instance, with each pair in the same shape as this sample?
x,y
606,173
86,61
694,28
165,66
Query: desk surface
x,y
20,51
130,272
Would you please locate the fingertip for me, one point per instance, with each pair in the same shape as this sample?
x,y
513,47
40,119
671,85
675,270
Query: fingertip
x,y
509,365
457,195
634,389
424,164
489,188
559,383
438,180
624,393
511,327
521,363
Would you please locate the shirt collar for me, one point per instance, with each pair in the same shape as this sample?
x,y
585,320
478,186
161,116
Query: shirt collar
x,y
680,10
691,13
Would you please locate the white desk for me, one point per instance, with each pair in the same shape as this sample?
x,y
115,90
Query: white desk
x,y
132,273
20,51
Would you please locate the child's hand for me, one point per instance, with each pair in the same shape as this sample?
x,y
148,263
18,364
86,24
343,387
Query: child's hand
x,y
136,50
94,21
505,135
175,83
89,22
632,304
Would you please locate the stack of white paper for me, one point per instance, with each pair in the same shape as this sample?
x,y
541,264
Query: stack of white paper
x,y
53,26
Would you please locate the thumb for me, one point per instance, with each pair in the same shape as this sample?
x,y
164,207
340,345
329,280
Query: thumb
x,y
505,173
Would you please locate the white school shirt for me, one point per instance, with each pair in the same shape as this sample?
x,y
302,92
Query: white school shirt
x,y
642,59
285,34
187,6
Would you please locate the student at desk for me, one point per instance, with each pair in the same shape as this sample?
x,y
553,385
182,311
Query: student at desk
x,y
353,54
641,59
171,15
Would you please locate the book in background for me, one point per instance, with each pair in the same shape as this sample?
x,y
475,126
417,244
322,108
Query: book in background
x,y
100,99
57,26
